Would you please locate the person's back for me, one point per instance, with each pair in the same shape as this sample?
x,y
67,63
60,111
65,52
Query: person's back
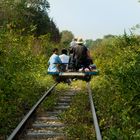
x,y
80,52
54,61
65,59
80,55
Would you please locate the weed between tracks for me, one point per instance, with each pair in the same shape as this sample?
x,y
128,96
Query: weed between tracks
x,y
51,101
78,118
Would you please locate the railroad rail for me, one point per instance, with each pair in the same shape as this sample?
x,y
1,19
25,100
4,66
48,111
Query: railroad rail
x,y
94,116
53,125
18,129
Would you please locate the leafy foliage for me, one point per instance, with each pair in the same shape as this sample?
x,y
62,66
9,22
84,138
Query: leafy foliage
x,y
116,90
22,72
66,38
32,18
26,36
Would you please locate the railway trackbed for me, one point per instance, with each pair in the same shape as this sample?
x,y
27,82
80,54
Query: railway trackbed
x,y
47,125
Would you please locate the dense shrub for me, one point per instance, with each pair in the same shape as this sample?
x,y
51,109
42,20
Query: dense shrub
x,y
23,77
116,89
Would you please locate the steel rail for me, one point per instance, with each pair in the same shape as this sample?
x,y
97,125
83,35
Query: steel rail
x,y
95,120
14,135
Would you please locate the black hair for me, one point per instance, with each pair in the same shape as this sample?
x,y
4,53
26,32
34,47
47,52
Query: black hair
x,y
55,49
64,51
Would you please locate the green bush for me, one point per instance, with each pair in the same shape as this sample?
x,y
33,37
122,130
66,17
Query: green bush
x,y
116,90
23,69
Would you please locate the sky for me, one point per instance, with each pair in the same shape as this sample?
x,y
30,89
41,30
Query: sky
x,y
92,19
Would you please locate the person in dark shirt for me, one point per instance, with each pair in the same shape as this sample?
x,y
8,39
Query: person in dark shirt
x,y
81,55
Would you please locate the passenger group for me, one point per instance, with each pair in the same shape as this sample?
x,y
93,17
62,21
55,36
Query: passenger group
x,y
79,58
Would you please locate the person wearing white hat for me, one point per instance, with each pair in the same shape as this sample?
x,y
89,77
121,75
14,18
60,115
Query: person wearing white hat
x,y
79,41
81,55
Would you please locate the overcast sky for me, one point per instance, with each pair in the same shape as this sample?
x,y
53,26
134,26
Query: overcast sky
x,y
92,19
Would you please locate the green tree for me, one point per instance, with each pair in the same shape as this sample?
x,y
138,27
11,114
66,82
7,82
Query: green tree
x,y
116,89
28,17
109,36
66,37
89,43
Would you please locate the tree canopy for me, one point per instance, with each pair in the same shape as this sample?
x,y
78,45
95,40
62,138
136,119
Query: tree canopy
x,y
66,37
28,17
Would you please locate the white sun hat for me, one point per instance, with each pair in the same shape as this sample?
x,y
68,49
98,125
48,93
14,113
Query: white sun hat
x,y
79,40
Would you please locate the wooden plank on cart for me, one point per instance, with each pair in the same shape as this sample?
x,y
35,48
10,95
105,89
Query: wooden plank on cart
x,y
71,74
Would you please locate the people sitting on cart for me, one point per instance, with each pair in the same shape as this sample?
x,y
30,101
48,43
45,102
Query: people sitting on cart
x,y
79,59
81,56
64,59
54,61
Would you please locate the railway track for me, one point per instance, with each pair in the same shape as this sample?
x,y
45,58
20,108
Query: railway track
x,y
47,125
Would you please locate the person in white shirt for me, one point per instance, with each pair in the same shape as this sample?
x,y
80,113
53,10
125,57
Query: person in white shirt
x,y
73,43
64,58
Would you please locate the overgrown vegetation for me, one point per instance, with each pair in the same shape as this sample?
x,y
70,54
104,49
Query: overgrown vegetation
x,y
28,17
116,89
24,51
27,37
22,71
